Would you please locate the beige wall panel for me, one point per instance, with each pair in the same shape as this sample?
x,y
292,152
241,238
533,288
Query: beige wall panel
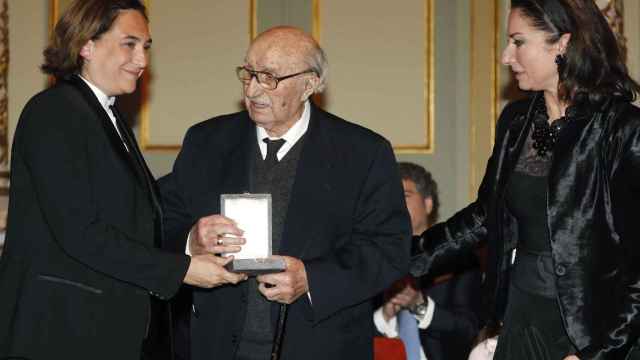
x,y
284,12
484,35
28,26
632,33
376,51
196,46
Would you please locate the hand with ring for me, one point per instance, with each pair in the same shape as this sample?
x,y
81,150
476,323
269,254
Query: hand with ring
x,y
215,234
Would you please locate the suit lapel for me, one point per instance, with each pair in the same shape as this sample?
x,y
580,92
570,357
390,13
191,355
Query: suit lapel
x,y
239,159
140,167
105,121
515,138
310,189
570,135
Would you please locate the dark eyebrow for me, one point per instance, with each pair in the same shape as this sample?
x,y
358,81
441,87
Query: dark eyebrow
x,y
514,34
137,39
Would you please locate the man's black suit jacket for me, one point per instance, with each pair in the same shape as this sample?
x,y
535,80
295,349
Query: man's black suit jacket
x,y
456,319
346,220
81,253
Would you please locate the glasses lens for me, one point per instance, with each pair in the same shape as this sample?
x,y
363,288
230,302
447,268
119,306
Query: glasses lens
x,y
243,74
268,81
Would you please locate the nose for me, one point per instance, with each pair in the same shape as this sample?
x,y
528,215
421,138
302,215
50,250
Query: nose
x,y
141,57
252,89
507,55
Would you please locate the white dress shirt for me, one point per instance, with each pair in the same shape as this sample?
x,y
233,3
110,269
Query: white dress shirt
x,y
291,137
390,328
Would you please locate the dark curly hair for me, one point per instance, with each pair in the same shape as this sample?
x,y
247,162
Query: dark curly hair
x,y
594,67
426,186
83,20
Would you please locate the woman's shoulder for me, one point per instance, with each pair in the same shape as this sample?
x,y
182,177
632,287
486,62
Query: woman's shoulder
x,y
513,114
625,118
516,108
56,109
629,112
59,97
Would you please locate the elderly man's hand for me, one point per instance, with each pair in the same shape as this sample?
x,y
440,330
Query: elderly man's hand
x,y
208,271
287,286
215,234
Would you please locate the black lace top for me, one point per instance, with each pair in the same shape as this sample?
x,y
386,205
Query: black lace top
x,y
526,199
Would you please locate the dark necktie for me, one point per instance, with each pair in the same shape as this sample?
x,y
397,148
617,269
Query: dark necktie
x,y
272,150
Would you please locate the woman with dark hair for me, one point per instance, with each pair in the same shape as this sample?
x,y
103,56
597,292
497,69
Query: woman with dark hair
x,y
558,201
82,275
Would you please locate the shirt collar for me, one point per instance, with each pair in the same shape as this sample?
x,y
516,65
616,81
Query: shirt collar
x,y
105,101
292,135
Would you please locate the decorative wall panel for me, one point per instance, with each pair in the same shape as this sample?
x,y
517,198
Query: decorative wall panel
x,y
381,67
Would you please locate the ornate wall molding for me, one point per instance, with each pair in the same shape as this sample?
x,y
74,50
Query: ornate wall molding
x,y
484,85
390,90
4,99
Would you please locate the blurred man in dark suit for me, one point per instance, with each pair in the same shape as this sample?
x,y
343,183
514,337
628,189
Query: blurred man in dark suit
x,y
445,306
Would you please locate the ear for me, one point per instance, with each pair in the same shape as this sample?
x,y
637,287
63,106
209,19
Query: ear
x,y
87,50
428,205
563,42
310,86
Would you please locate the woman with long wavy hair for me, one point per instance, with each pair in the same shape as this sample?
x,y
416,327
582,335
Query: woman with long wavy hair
x,y
558,201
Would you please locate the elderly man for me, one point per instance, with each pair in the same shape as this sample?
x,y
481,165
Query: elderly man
x,y
339,218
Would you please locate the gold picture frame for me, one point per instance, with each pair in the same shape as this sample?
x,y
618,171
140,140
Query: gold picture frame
x,y
427,143
429,87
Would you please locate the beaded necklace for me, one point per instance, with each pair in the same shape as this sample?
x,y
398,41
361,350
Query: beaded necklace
x,y
545,135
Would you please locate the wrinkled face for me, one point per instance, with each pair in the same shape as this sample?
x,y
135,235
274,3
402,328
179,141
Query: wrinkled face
x,y
530,57
419,207
278,109
116,60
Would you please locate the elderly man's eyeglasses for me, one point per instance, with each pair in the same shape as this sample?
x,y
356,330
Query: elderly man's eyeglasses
x,y
267,80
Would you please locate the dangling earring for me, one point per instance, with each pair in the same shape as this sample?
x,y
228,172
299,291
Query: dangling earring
x,y
561,60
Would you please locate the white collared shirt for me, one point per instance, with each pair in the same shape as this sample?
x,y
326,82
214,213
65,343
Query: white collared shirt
x,y
390,328
106,102
291,137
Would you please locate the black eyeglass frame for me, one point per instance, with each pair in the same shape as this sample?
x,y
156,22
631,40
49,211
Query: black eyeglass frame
x,y
254,74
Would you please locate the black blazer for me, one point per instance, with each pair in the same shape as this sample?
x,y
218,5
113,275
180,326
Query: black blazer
x,y
81,252
593,195
346,220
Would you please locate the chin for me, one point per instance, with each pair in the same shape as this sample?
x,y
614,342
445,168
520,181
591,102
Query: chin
x,y
129,89
260,121
524,86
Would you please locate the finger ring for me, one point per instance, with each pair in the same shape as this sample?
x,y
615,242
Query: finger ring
x,y
220,242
